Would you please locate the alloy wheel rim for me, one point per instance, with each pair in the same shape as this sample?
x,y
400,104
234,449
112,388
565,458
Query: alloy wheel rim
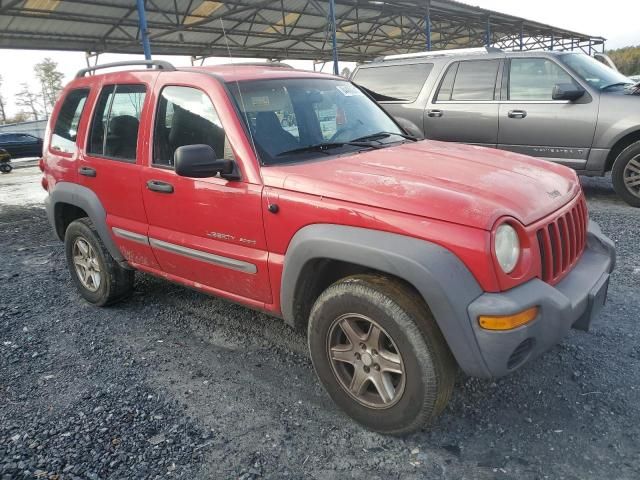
x,y
366,361
86,264
631,176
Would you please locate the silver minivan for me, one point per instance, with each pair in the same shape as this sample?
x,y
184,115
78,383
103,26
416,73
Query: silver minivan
x,y
565,107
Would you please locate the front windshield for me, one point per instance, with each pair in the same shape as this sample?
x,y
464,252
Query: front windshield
x,y
593,72
300,118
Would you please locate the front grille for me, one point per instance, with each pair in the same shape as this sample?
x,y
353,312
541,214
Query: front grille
x,y
562,241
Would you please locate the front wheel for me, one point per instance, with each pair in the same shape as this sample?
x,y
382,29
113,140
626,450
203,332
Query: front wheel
x,y
6,167
379,354
626,175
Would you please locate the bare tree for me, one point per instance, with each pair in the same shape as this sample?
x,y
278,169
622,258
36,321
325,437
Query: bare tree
x,y
3,114
18,118
50,81
29,100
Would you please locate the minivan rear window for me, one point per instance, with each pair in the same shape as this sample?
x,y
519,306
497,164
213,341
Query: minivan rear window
x,y
394,82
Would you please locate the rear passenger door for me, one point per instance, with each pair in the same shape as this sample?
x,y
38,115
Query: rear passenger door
x,y
397,88
464,107
110,167
531,122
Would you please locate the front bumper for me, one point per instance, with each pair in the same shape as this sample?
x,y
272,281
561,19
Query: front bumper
x,y
573,302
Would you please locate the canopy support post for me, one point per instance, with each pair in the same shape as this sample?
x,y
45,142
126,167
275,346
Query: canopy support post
x,y
144,33
332,19
427,22
488,32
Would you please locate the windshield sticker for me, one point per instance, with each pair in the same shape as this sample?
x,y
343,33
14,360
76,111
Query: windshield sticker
x,y
260,101
349,90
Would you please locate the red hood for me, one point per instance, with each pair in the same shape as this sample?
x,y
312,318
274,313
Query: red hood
x,y
458,183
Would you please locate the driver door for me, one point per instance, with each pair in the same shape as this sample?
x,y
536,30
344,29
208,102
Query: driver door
x,y
205,231
532,123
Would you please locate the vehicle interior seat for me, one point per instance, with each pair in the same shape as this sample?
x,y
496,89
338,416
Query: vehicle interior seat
x,y
121,140
188,128
271,135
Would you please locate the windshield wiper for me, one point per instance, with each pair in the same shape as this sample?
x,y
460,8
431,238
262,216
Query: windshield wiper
x,y
377,135
323,147
618,84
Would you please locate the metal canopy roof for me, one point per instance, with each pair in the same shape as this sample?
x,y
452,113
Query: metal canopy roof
x,y
293,29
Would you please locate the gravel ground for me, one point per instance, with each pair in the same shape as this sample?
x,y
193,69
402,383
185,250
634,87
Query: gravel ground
x,y
175,384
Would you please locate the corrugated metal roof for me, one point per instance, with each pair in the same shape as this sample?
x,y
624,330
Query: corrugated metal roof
x,y
269,29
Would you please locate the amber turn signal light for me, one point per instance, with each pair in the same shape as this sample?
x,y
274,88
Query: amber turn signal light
x,y
508,322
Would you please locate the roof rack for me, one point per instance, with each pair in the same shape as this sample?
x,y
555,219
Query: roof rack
x,y
160,64
440,53
258,64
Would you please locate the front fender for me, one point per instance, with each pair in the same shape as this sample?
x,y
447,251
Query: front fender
x,y
444,282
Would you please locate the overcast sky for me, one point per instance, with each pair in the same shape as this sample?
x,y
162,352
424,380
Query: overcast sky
x,y
616,20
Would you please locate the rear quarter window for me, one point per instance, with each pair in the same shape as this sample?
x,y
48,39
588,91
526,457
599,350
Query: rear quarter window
x,y
394,82
65,130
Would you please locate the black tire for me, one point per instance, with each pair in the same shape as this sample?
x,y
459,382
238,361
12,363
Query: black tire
x,y
429,366
6,167
115,283
622,170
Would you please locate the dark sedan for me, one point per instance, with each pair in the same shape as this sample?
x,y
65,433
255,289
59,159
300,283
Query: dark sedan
x,y
20,145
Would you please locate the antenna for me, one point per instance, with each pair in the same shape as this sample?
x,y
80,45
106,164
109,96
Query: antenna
x,y
244,109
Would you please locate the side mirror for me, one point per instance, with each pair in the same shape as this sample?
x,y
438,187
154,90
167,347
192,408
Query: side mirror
x,y
199,161
567,91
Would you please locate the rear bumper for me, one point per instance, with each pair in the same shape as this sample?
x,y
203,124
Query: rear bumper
x,y
573,302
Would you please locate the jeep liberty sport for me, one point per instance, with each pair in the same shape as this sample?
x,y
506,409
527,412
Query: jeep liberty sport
x,y
294,193
565,107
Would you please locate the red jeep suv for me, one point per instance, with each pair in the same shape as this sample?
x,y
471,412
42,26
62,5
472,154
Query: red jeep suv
x,y
295,194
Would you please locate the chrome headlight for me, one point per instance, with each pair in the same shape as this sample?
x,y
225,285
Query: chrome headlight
x,y
507,247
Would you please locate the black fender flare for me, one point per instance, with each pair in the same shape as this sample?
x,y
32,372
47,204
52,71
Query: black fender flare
x,y
87,200
444,282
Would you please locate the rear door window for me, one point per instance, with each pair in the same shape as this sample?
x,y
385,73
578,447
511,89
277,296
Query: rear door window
x,y
470,81
116,121
446,86
394,82
65,130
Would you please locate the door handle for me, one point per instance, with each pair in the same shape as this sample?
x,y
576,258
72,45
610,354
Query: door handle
x,y
517,114
435,113
158,186
87,171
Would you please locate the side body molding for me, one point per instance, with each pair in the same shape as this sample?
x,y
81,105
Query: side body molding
x,y
87,200
440,277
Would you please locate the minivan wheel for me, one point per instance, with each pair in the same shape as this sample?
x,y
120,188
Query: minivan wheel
x,y
626,175
97,276
379,354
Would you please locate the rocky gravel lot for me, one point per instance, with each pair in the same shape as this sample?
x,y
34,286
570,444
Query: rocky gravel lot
x,y
174,384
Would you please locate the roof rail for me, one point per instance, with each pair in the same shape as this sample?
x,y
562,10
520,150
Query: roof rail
x,y
440,53
255,64
160,64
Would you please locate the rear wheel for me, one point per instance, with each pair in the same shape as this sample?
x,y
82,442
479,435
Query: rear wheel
x,y
626,175
6,167
98,277
379,354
